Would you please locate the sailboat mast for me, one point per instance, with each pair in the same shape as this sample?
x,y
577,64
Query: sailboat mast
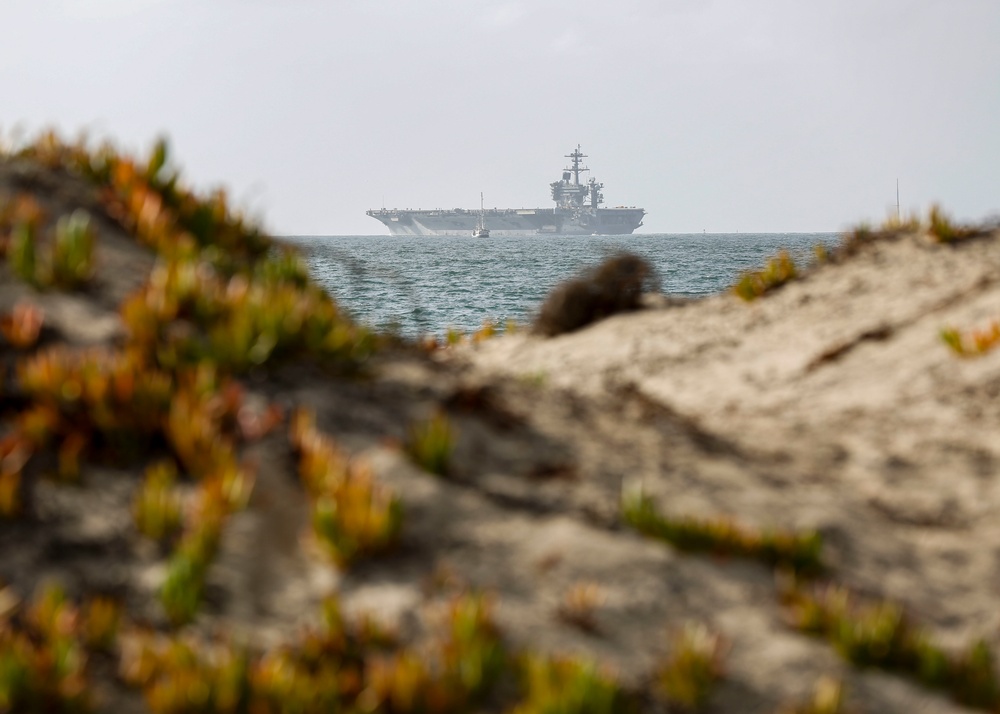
x,y
897,200
481,231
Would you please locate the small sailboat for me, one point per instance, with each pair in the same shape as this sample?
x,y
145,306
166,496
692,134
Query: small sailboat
x,y
481,231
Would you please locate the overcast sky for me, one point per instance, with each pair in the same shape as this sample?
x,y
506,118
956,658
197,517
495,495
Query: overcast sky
x,y
718,115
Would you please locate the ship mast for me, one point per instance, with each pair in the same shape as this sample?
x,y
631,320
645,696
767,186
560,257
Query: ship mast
x,y
569,194
576,168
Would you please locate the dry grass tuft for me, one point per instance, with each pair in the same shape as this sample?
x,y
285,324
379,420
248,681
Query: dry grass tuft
x,y
616,285
776,272
944,230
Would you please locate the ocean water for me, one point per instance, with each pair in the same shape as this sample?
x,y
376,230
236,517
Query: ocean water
x,y
426,285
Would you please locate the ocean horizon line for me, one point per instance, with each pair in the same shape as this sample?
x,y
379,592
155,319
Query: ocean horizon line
x,y
557,235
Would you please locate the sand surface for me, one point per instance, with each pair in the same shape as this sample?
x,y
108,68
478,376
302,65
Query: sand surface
x,y
831,404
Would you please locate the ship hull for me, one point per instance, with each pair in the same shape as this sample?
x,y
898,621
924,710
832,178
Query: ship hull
x,y
511,222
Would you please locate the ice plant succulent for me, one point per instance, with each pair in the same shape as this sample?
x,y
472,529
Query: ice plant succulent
x,y
431,442
220,493
827,698
149,199
68,263
352,514
568,686
356,516
243,320
246,300
686,679
22,246
338,666
101,622
201,419
879,634
15,451
800,552
156,508
182,589
6,209
73,250
200,428
22,327
43,663
457,668
221,299
182,675
109,391
974,343
580,603
70,454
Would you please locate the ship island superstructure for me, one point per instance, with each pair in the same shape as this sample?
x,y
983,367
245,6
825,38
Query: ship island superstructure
x,y
577,212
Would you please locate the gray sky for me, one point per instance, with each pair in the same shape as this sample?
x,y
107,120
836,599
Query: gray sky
x,y
725,115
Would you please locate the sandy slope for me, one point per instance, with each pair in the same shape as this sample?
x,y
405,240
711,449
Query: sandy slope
x,y
831,404
841,388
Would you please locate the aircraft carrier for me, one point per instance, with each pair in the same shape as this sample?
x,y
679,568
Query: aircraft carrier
x,y
577,212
